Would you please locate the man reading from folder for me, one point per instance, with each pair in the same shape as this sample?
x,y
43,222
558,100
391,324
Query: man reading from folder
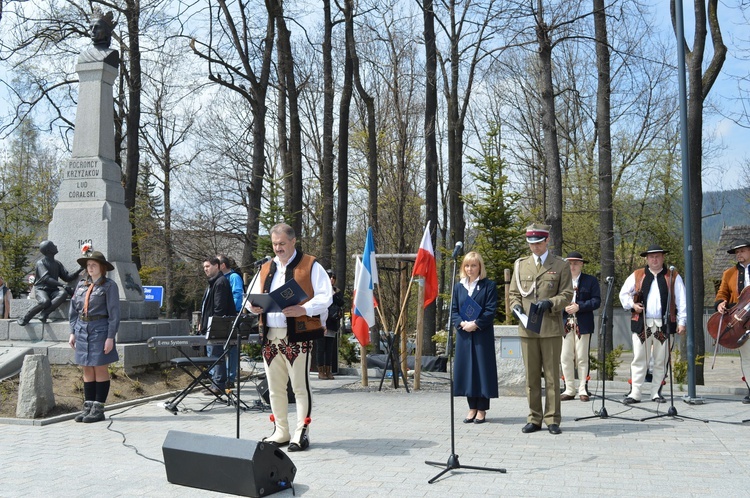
x,y
541,288
287,335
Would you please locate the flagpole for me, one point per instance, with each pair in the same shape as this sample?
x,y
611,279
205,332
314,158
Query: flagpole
x,y
418,350
363,364
403,304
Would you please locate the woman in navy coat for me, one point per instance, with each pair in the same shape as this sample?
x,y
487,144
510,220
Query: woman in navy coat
x,y
475,366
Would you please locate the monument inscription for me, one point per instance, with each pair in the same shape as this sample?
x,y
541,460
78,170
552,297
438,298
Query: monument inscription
x,y
82,168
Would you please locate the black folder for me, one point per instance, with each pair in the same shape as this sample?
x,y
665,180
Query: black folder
x,y
535,319
287,295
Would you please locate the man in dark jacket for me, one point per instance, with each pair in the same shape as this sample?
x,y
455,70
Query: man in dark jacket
x,y
217,301
579,326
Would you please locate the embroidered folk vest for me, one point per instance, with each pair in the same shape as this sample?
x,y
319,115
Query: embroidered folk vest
x,y
301,328
643,281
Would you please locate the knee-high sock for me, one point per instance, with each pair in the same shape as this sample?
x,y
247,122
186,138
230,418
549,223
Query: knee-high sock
x,y
89,391
102,391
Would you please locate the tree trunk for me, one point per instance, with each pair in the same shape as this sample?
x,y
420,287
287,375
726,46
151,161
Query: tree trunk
x,y
549,130
372,139
326,167
604,144
342,212
431,156
295,126
455,139
699,84
132,163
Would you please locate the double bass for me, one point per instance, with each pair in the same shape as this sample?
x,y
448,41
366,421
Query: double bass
x,y
731,329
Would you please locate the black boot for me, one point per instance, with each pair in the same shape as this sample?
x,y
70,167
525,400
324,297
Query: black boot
x,y
85,411
96,414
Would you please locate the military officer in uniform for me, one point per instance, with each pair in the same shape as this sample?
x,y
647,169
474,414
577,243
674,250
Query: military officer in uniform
x,y
545,280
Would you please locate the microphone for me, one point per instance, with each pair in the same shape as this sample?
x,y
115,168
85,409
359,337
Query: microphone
x,y
610,279
457,249
262,261
671,268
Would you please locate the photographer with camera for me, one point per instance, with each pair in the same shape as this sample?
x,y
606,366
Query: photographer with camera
x,y
647,303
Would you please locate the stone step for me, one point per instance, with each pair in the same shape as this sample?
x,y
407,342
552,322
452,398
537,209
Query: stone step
x,y
11,360
59,331
51,339
129,310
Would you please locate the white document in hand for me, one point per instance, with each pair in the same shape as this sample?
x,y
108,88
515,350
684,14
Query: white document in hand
x,y
522,316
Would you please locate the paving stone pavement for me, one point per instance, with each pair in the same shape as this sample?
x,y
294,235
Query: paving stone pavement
x,y
375,444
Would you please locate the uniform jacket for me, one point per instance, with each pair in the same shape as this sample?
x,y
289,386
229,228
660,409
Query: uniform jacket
x,y
588,298
103,301
553,282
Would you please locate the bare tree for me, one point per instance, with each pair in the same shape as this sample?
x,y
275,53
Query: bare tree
x,y
699,85
167,126
603,130
326,163
469,33
347,90
241,63
431,155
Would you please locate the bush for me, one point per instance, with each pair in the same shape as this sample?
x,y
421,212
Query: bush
x,y
680,367
441,340
348,350
611,362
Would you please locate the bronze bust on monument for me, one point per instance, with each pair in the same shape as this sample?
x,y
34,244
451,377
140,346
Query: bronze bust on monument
x,y
101,37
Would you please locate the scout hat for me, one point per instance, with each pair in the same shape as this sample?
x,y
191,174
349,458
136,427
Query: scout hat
x,y
653,249
575,256
738,244
537,232
96,256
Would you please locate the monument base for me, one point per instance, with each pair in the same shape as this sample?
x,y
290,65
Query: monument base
x,y
139,323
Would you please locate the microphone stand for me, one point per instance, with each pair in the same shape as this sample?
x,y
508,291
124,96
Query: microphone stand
x,y
671,411
602,413
453,463
239,347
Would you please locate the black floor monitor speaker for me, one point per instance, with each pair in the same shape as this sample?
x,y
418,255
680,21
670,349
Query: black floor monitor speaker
x,y
263,391
227,465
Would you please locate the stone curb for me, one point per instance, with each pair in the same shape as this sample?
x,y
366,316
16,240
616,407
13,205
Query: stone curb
x,y
39,422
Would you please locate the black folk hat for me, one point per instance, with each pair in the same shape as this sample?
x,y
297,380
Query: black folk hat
x,y
575,256
96,256
738,244
653,249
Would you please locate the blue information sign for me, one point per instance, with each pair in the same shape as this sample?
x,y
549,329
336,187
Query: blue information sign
x,y
153,293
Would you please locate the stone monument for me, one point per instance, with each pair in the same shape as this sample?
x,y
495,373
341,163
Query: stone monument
x,y
91,212
91,207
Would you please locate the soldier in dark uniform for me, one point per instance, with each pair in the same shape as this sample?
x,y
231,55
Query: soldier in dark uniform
x,y
48,290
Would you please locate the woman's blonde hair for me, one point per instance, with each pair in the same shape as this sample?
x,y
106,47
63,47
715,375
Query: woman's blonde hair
x,y
470,257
